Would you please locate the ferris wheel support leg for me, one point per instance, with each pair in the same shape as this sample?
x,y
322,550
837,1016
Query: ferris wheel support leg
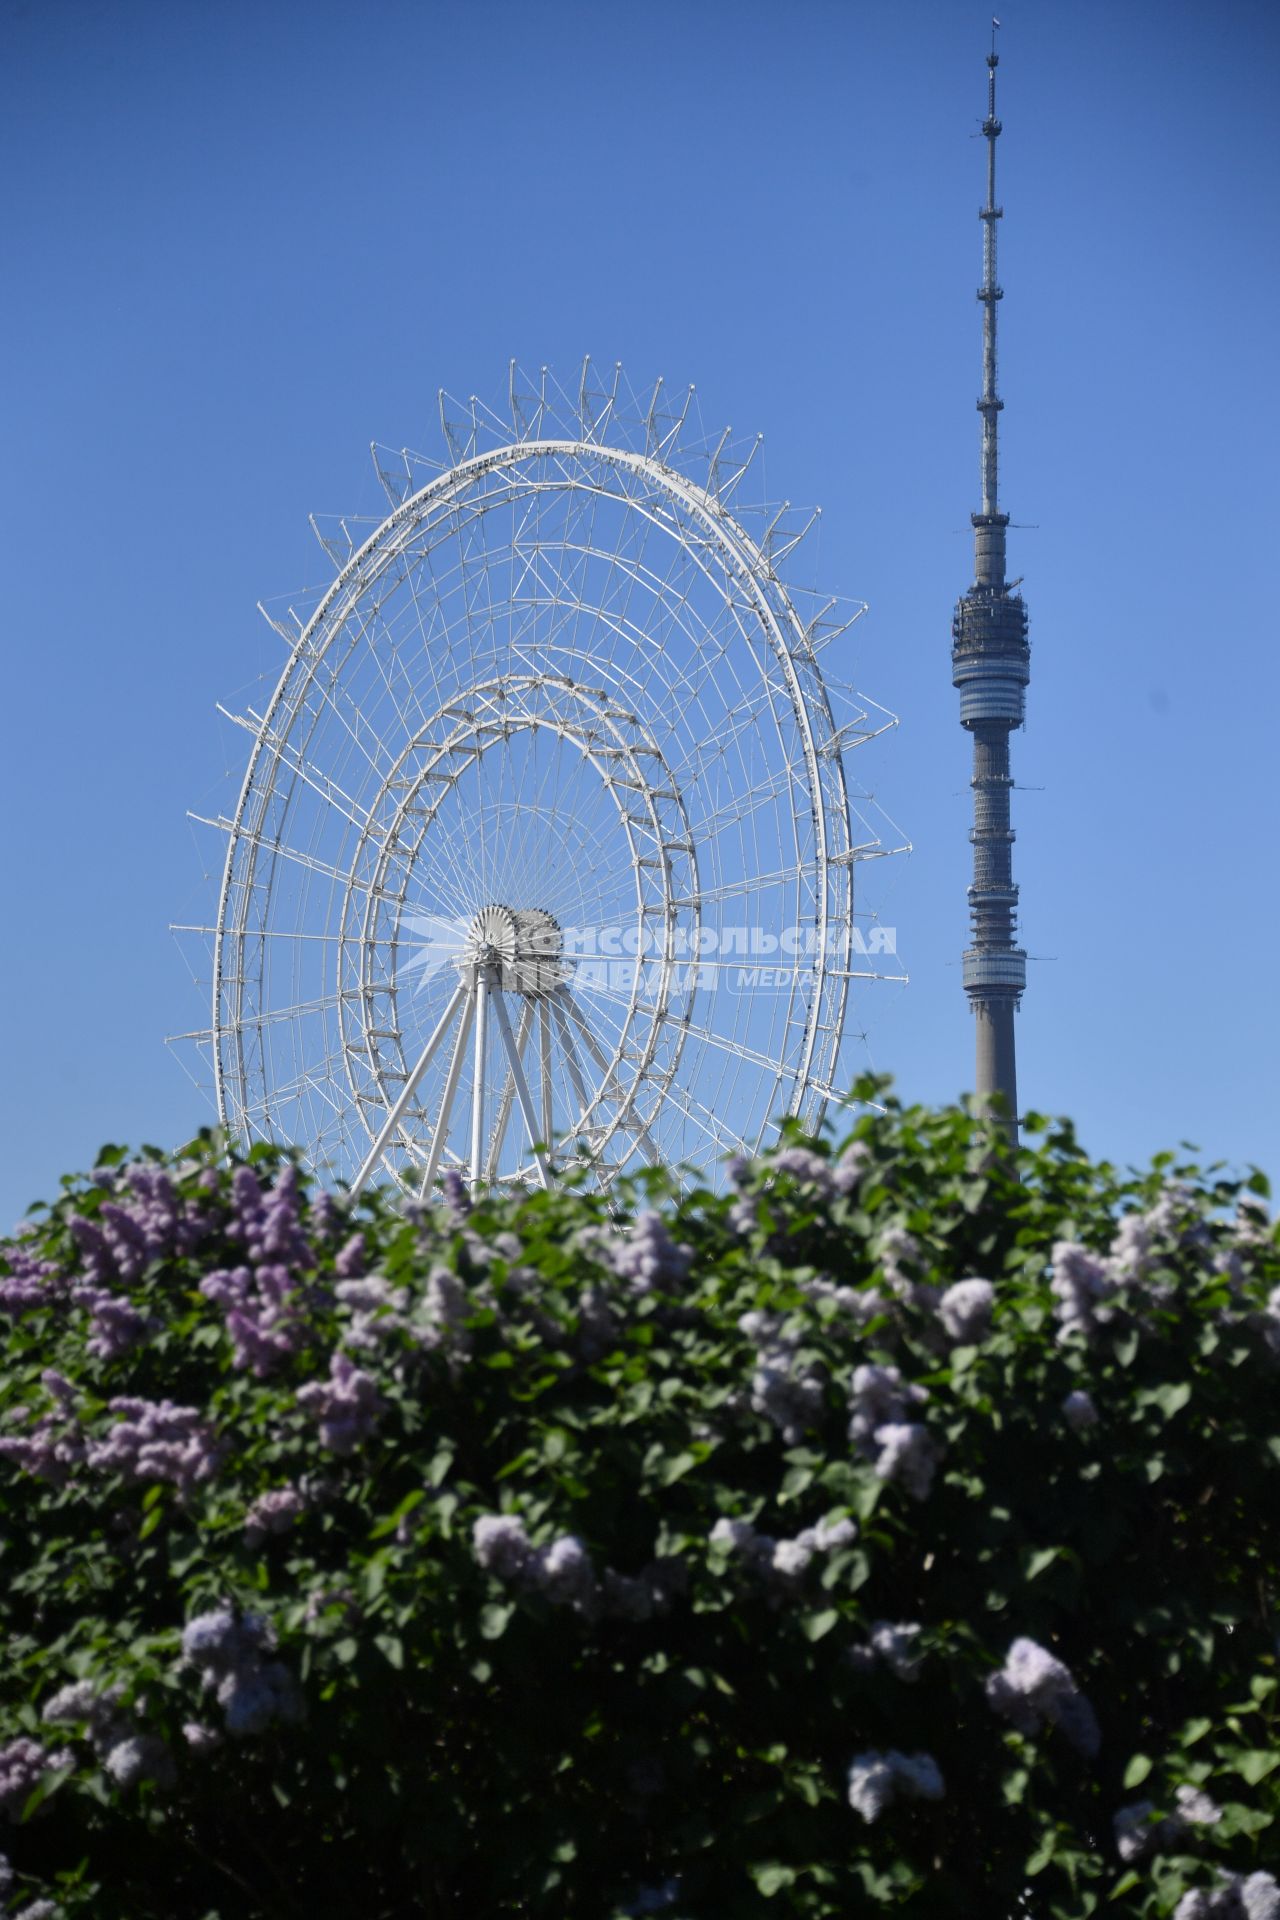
x,y
410,1087
446,1098
635,1125
508,1096
522,1085
570,1053
484,991
544,1063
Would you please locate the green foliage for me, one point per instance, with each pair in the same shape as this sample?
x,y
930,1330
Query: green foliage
x,y
625,1713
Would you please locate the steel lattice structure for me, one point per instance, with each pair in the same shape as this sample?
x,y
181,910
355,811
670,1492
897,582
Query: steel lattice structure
x,y
551,779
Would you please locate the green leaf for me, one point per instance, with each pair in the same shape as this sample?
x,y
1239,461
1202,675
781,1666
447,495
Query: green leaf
x,y
1254,1765
1138,1769
772,1877
816,1626
493,1620
1039,1860
675,1467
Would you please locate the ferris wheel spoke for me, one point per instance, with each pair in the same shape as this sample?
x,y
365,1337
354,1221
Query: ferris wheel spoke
x,y
610,1084
702,1117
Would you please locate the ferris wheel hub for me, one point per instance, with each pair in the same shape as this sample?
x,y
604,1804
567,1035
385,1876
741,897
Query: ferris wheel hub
x,y
520,949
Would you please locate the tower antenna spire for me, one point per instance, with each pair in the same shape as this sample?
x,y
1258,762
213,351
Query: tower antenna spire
x,y
991,665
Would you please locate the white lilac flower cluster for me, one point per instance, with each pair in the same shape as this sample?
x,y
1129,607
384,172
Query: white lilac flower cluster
x,y
564,1573
876,1780
893,1645
786,1391
779,1562
900,1448
1253,1896
23,1765
1140,1830
127,1754
347,1405
1033,1688
230,1652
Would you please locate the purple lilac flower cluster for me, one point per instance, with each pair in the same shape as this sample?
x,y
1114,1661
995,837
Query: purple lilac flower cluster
x,y
876,1780
654,1899
965,1311
896,1251
269,1222
23,1765
1238,1896
786,1391
30,1281
841,1177
648,1257
1033,1688
56,1443
1082,1285
272,1513
157,1440
893,1645
263,1309
1079,1411
265,1299
151,1222
563,1571
778,1562
230,1652
126,1753
1139,1830
347,1405
902,1449
117,1324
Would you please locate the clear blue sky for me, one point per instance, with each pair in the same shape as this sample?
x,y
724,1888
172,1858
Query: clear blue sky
x,y
243,240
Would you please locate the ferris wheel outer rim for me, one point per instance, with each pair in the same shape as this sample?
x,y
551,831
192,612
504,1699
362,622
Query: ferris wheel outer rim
x,y
752,570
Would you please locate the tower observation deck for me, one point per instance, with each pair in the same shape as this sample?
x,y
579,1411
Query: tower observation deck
x,y
991,665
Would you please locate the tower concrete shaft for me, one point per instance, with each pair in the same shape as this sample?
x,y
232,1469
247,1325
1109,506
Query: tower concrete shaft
x,y
991,665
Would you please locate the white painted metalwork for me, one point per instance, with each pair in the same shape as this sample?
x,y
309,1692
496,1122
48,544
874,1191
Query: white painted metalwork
x,y
551,779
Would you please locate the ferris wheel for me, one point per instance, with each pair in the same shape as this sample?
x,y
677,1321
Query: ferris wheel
x,y
545,854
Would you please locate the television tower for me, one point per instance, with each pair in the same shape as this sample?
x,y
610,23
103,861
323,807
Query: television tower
x,y
991,665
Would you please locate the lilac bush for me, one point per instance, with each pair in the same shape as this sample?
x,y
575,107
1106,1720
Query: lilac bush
x,y
886,1534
